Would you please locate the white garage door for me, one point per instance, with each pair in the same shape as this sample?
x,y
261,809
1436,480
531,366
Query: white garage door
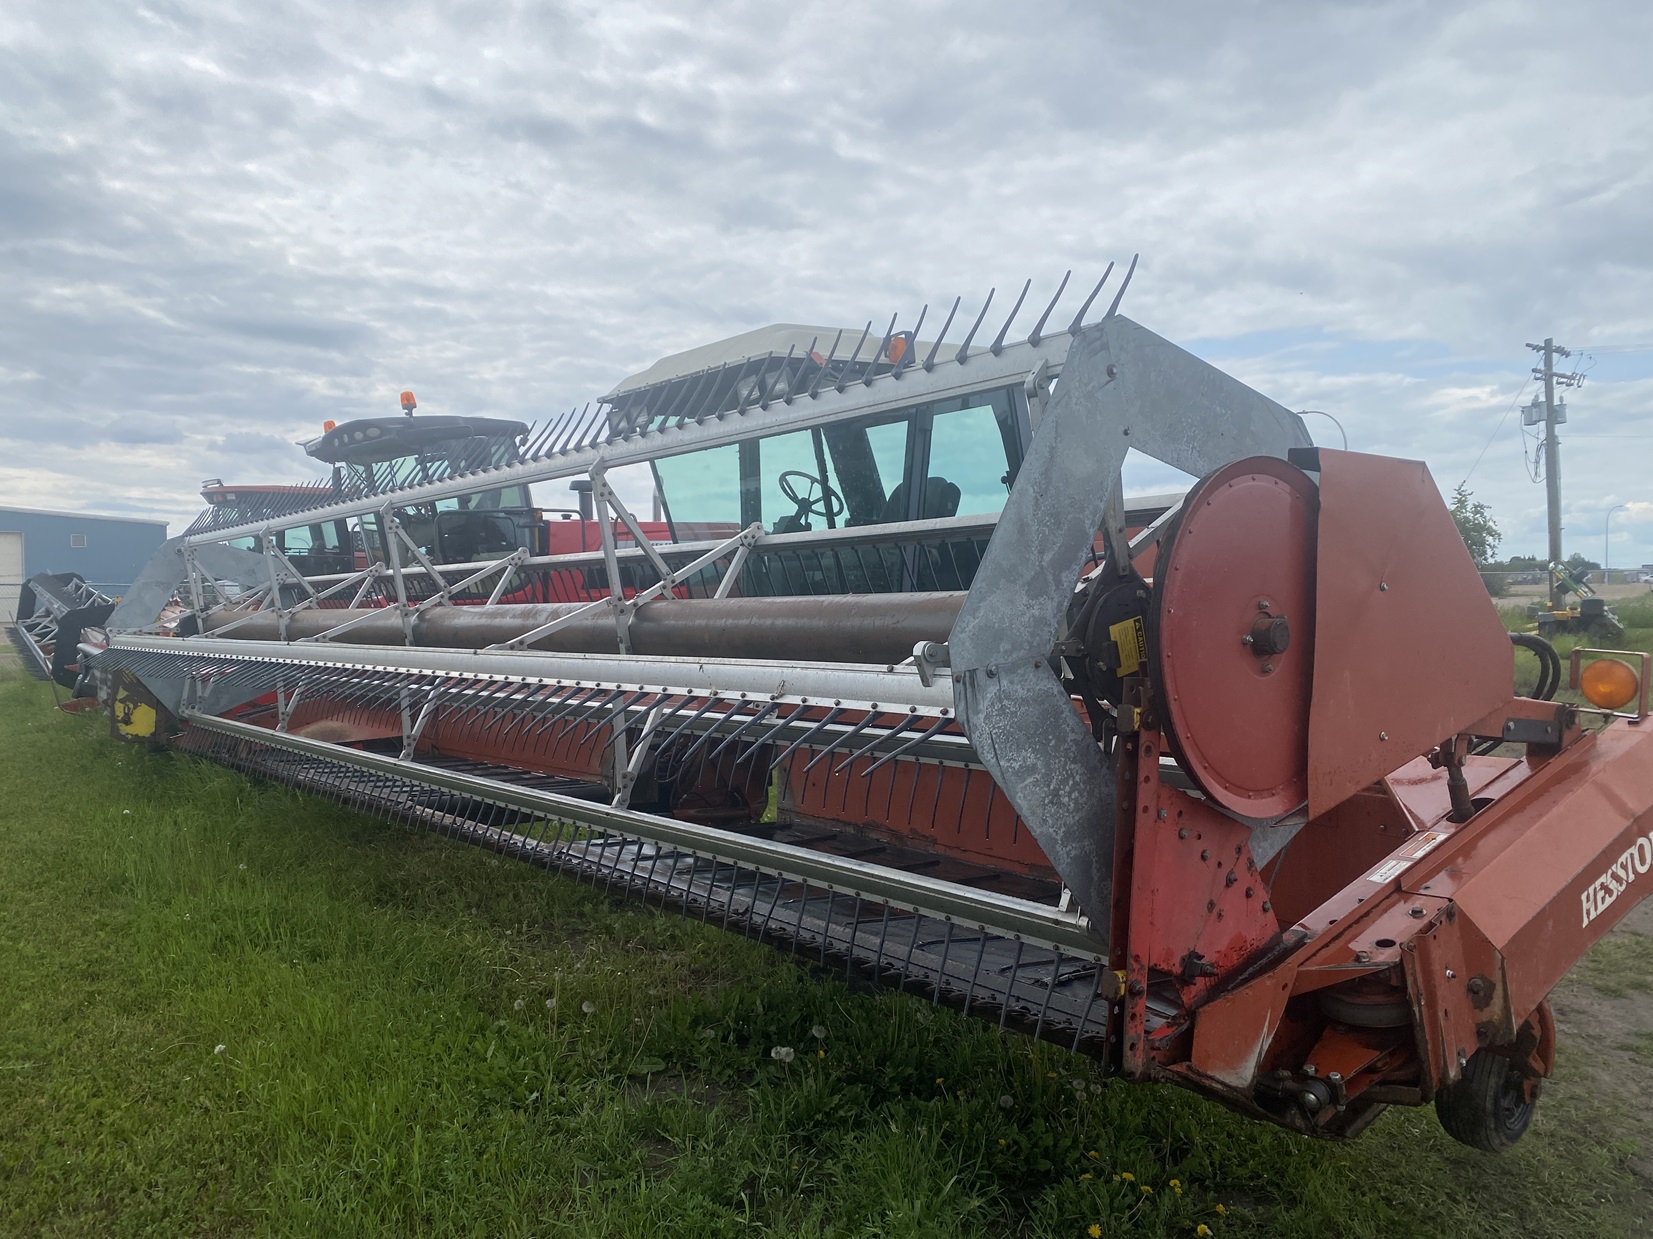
x,y
11,574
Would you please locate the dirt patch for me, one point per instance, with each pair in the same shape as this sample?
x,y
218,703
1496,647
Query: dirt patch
x,y
1605,1018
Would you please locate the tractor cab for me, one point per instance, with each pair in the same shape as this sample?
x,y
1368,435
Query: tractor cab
x,y
320,547
376,455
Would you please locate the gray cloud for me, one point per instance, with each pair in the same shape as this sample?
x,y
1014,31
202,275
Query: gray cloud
x,y
220,226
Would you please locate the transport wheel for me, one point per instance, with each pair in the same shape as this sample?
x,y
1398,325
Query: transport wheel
x,y
1490,1105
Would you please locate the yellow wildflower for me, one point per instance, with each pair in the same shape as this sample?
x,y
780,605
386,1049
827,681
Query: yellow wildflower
x,y
1094,1231
1094,1155
1177,1183
1221,1209
1202,1229
1001,1142
1086,1175
1127,1176
1146,1190
820,1053
940,1080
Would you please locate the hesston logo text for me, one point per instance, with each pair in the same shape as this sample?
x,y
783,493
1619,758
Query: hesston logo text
x,y
1635,861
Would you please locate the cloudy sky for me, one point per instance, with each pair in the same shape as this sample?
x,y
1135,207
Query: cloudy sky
x,y
222,224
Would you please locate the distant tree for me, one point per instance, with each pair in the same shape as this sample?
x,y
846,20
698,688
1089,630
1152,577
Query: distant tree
x,y
1475,525
1579,563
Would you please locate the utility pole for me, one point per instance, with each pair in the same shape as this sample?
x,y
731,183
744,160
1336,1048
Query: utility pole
x,y
1552,449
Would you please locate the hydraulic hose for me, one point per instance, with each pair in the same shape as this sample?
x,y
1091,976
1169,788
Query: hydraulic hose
x,y
1549,663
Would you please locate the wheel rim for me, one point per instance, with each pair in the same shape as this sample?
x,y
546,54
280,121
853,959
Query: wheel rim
x,y
1514,1106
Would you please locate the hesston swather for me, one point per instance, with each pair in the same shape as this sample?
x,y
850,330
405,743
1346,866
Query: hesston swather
x,y
1179,783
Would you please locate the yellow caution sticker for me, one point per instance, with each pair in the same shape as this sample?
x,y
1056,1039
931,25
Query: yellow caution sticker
x,y
1132,640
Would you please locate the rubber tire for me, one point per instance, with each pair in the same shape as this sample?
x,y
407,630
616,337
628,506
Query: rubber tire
x,y
1485,1109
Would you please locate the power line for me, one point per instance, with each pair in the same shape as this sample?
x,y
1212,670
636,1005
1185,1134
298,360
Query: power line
x,y
1519,393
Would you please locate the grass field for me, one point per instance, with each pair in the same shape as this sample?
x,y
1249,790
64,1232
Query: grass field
x,y
227,1008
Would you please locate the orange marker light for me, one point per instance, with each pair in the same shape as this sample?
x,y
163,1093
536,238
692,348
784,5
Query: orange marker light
x,y
1608,683
408,402
328,426
896,349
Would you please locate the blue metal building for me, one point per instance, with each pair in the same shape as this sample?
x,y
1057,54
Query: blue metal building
x,y
108,551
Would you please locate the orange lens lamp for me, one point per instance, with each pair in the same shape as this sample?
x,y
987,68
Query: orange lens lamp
x,y
1609,681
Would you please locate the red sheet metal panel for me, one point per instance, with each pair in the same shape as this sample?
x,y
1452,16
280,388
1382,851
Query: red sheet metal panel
x,y
1409,648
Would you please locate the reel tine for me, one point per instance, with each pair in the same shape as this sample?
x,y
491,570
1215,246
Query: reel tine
x,y
832,716
1039,326
843,740
911,744
997,346
779,727
1120,295
906,722
762,714
963,355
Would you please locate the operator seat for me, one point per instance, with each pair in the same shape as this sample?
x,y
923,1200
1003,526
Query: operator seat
x,y
941,498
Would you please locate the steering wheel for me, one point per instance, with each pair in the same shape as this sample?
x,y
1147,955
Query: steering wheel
x,y
828,504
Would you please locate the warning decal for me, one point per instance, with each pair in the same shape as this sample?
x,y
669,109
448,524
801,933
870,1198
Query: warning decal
x,y
1132,640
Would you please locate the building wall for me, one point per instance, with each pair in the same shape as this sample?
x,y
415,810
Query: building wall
x,y
115,548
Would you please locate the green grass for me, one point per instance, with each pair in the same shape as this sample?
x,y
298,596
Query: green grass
x,y
1619,965
378,1075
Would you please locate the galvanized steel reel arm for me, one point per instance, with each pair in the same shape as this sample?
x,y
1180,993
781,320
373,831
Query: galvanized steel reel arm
x,y
1122,387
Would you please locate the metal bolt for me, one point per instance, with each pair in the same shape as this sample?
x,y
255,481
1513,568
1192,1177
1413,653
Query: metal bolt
x,y
1450,975
1335,1077
992,673
1414,912
1113,371
1267,668
1249,892
1383,587
1363,957
1266,906
1183,833
1230,879
1382,735
1205,853
1309,1069
1161,815
1262,604
1246,640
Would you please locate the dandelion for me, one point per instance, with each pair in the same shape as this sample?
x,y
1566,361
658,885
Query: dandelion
x,y
550,1004
783,1053
818,1032
1086,1175
517,1005
126,812
1146,1190
588,1006
1079,1087
1006,1101
1202,1229
186,916
820,1053
241,867
1176,1186
1095,1087
1094,1231
941,1080
1221,1209
1127,1176
1094,1155
708,1032
217,1049
1050,1075
1001,1142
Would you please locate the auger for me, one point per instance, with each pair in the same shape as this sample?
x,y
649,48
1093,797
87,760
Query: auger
x,y
897,678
